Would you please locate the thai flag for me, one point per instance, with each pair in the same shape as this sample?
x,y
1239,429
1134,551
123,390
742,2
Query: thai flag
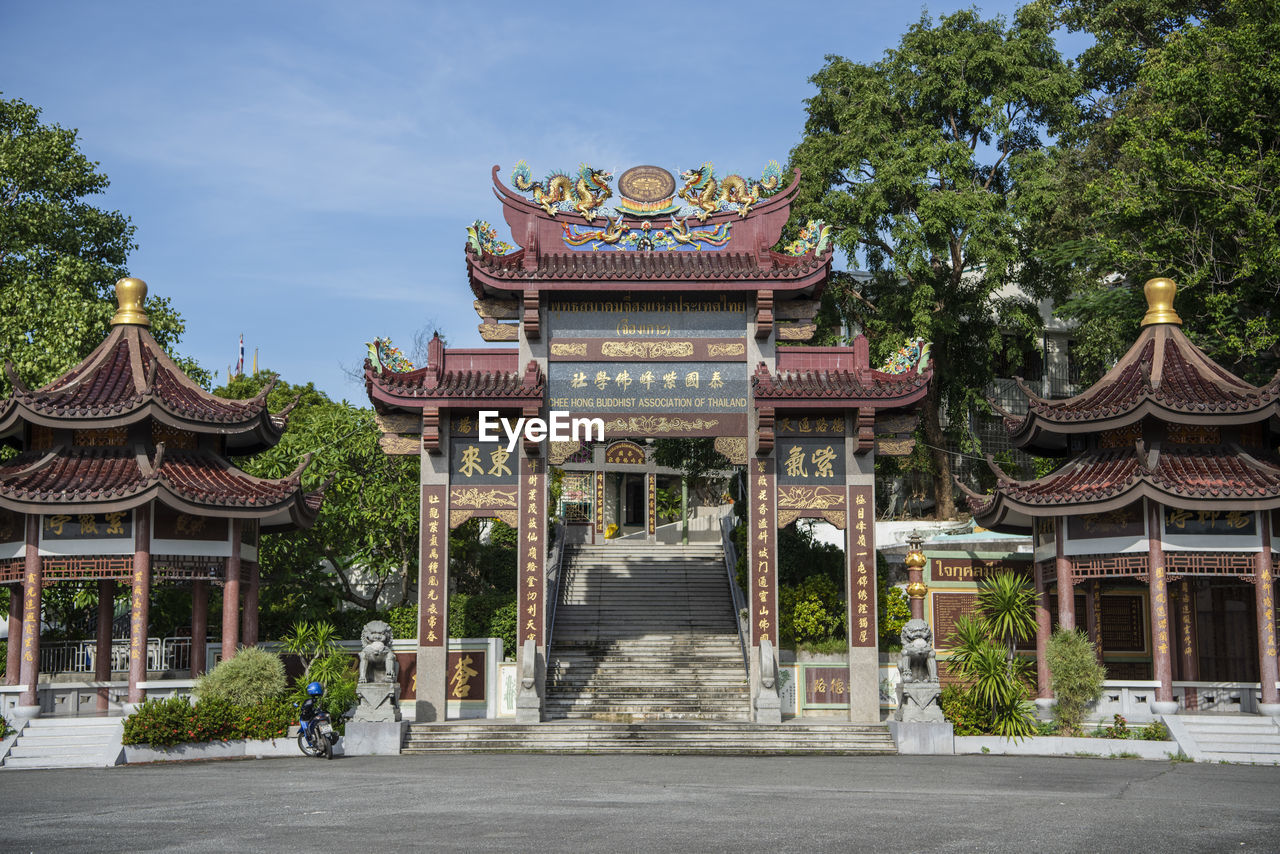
x,y
240,361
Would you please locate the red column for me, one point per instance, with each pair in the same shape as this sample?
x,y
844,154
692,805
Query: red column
x,y
140,603
13,660
102,655
231,597
249,630
1159,607
1265,598
1066,589
1044,683
199,626
32,580
1190,664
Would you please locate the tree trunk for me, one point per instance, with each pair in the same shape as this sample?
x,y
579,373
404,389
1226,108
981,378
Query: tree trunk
x,y
943,491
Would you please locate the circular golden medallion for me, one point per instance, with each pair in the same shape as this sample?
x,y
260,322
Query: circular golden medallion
x,y
647,184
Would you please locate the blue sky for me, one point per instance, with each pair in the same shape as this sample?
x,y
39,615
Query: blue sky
x,y
304,172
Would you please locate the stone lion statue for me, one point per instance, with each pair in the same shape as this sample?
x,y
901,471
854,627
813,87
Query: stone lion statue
x,y
376,652
918,662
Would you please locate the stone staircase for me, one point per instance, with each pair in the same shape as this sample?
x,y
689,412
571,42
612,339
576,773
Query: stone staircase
x,y
1227,738
646,633
91,742
666,737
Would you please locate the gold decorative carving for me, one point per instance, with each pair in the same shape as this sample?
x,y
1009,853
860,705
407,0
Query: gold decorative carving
x,y
895,447
647,349
733,448
558,452
647,184
499,331
796,331
498,309
644,425
398,423
510,518
786,517
579,349
715,351
398,446
457,517
482,496
838,518
810,497
624,453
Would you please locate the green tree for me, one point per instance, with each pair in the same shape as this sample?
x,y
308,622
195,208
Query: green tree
x,y
1076,676
916,160
366,535
1007,602
702,464
59,255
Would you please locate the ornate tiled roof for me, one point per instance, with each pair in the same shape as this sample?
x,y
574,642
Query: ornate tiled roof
x,y
1163,375
648,266
839,385
102,479
436,385
1183,476
128,379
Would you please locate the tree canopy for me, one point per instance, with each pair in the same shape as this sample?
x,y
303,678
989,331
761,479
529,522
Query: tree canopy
x,y
59,255
916,160
366,535
1175,172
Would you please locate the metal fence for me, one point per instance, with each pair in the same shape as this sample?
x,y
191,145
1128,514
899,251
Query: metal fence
x,y
163,654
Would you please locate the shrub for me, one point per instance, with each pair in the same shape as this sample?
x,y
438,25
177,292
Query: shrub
x,y
966,716
1156,731
164,723
892,608
504,623
253,676
1119,728
1076,676
403,621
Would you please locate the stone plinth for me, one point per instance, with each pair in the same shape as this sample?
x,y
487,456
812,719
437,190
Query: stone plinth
x,y
919,701
377,702
373,738
935,738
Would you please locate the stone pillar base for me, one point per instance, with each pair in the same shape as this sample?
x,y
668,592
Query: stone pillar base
x,y
768,708
528,707
373,738
919,702
377,702
25,713
1271,710
936,738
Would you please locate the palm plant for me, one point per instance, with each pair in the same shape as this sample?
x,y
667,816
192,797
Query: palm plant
x,y
1007,601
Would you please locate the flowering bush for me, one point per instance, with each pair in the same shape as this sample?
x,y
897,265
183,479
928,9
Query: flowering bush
x,y
163,723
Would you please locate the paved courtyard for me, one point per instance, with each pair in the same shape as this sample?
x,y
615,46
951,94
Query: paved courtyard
x,y
645,803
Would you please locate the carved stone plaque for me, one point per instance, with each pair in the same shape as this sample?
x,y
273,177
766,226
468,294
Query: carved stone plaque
x,y
647,184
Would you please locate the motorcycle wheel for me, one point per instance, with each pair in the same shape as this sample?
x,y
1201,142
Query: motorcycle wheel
x,y
327,746
306,745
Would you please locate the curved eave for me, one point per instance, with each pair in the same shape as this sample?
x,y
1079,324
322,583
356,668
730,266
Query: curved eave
x,y
252,435
783,400
1032,432
387,399
485,283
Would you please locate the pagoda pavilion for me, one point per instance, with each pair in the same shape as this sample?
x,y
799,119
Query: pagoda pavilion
x,y
670,314
123,475
1172,485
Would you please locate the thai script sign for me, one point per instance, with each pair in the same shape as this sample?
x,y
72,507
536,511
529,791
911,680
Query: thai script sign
x,y
628,317
972,569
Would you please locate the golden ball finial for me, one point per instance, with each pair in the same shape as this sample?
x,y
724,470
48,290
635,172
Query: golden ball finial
x,y
131,293
1160,294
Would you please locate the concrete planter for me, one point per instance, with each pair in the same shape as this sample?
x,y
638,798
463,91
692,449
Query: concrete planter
x,y
238,748
1053,745
806,657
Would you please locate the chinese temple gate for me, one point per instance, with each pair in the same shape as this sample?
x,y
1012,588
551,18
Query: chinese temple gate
x,y
1172,487
667,315
123,475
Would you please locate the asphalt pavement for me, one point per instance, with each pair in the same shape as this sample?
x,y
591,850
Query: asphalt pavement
x,y
535,803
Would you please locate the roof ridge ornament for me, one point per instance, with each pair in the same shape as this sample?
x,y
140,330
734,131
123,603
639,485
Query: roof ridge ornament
x,y
1160,293
131,293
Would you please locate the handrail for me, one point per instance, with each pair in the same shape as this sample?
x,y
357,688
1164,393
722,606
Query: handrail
x,y
554,585
727,524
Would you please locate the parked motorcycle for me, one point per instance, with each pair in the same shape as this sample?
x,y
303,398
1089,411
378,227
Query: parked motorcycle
x,y
316,736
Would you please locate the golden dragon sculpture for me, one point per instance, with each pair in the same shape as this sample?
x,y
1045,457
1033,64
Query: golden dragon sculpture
x,y
707,194
585,194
